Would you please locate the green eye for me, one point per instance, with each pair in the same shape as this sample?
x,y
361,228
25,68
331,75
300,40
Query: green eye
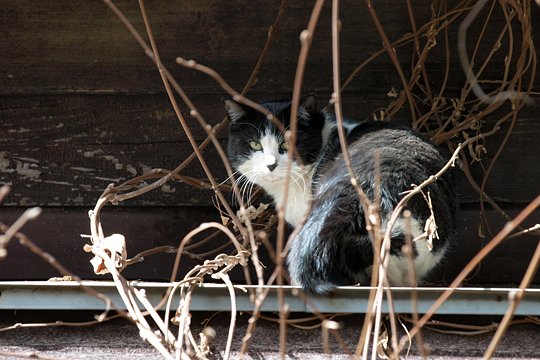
x,y
284,146
255,145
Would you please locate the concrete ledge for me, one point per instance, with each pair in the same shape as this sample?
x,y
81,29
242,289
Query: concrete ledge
x,y
46,295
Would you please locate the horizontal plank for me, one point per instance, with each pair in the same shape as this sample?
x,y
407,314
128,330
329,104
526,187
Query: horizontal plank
x,y
101,119
68,175
514,178
81,46
64,150
57,231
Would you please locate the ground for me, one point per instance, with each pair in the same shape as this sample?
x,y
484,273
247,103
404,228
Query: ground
x,y
118,339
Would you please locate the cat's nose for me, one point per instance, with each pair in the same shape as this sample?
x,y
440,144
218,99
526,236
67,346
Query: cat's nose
x,y
271,167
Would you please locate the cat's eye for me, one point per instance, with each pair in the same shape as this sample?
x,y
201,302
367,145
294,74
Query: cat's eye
x,y
284,146
255,145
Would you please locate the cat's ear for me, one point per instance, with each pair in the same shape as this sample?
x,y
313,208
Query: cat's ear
x,y
235,111
308,105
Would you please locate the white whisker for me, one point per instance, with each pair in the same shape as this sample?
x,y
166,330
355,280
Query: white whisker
x,y
241,184
227,179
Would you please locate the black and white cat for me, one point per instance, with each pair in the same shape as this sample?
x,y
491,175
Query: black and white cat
x,y
333,247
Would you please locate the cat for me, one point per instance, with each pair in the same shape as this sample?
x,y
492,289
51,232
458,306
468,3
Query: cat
x,y
333,247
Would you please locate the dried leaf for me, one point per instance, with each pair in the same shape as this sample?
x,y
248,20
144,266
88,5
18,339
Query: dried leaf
x,y
392,93
98,265
176,319
383,350
114,246
251,213
207,338
430,231
225,220
481,233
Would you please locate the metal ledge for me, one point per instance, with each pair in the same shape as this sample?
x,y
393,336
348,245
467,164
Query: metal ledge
x,y
67,295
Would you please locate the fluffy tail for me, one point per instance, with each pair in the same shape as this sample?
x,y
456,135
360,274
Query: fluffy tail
x,y
332,248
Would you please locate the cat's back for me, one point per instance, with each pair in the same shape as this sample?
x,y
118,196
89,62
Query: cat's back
x,y
388,142
387,148
334,246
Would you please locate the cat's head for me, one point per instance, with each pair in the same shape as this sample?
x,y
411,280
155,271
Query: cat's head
x,y
258,149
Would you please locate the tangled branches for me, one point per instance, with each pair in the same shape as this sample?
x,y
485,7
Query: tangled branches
x,y
462,120
445,120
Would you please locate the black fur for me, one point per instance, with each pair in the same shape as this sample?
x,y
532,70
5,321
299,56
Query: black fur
x,y
253,124
333,247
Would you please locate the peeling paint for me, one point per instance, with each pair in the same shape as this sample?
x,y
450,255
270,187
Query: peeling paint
x,y
105,134
83,134
26,171
4,163
20,130
77,200
86,187
145,168
25,167
130,169
81,169
26,159
168,189
91,154
57,182
114,160
63,140
25,201
108,179
148,203
163,114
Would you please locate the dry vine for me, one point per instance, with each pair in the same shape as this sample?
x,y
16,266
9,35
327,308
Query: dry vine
x,y
459,122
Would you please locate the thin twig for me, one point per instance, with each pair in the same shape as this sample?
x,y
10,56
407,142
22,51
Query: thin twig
x,y
413,283
306,39
514,299
466,66
53,262
392,53
474,262
10,232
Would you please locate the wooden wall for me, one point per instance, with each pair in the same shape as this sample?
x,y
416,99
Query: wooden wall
x,y
81,107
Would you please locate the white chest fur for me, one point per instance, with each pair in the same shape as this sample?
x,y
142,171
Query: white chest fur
x,y
296,202
256,169
424,262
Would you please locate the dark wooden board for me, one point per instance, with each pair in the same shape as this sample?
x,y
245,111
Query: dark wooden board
x,y
101,118
75,175
57,231
81,46
516,171
65,150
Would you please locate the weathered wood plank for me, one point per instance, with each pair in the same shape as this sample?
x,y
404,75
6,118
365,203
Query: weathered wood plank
x,y
57,231
78,175
64,150
101,119
81,46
